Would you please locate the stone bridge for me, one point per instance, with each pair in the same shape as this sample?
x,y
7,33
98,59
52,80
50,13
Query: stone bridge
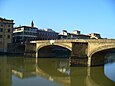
x,y
80,48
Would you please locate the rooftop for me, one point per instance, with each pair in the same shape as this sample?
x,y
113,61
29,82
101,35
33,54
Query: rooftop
x,y
5,19
25,27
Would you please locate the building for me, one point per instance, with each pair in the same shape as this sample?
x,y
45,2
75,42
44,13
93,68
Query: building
x,y
24,34
95,36
76,32
63,34
46,34
80,36
74,35
6,29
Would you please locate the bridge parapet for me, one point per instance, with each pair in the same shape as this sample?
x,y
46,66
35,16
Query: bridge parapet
x,y
78,40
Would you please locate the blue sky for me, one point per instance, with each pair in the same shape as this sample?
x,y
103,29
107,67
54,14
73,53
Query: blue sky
x,y
88,16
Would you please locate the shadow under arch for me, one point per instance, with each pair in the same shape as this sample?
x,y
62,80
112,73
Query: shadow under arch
x,y
99,58
101,48
53,51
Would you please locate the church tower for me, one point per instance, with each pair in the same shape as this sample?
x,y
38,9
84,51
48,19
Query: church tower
x,y
32,24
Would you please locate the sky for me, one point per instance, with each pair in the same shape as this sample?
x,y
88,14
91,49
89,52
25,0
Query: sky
x,y
88,16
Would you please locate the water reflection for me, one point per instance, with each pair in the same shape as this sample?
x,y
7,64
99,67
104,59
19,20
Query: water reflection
x,y
20,71
5,72
110,71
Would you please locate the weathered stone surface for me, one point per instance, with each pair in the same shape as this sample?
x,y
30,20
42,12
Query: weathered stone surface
x,y
78,47
15,48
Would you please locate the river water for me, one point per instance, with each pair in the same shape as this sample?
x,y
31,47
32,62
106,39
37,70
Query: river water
x,y
21,71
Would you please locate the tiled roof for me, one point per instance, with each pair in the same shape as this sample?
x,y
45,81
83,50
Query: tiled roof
x,y
42,30
5,19
78,34
25,27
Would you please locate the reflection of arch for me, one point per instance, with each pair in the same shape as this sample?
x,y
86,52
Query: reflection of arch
x,y
102,48
98,77
61,79
90,76
47,68
90,82
47,64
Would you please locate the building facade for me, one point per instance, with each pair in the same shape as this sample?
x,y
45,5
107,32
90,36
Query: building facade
x,y
74,35
6,29
23,34
95,36
46,34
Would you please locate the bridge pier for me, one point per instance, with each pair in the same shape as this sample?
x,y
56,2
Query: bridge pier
x,y
89,62
79,54
30,49
36,57
79,49
36,54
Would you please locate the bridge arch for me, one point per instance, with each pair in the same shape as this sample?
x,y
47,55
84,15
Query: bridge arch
x,y
56,48
97,56
102,48
61,45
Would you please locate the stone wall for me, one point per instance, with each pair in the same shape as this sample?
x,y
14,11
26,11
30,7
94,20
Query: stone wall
x,y
30,49
79,49
15,48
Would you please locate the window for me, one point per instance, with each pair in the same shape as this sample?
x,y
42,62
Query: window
x,y
8,25
8,30
8,36
0,36
1,25
1,30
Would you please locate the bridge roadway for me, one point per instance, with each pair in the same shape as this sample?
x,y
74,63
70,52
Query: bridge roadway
x,y
79,47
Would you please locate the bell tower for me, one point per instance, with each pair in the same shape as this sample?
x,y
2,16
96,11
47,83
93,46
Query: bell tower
x,y
32,24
